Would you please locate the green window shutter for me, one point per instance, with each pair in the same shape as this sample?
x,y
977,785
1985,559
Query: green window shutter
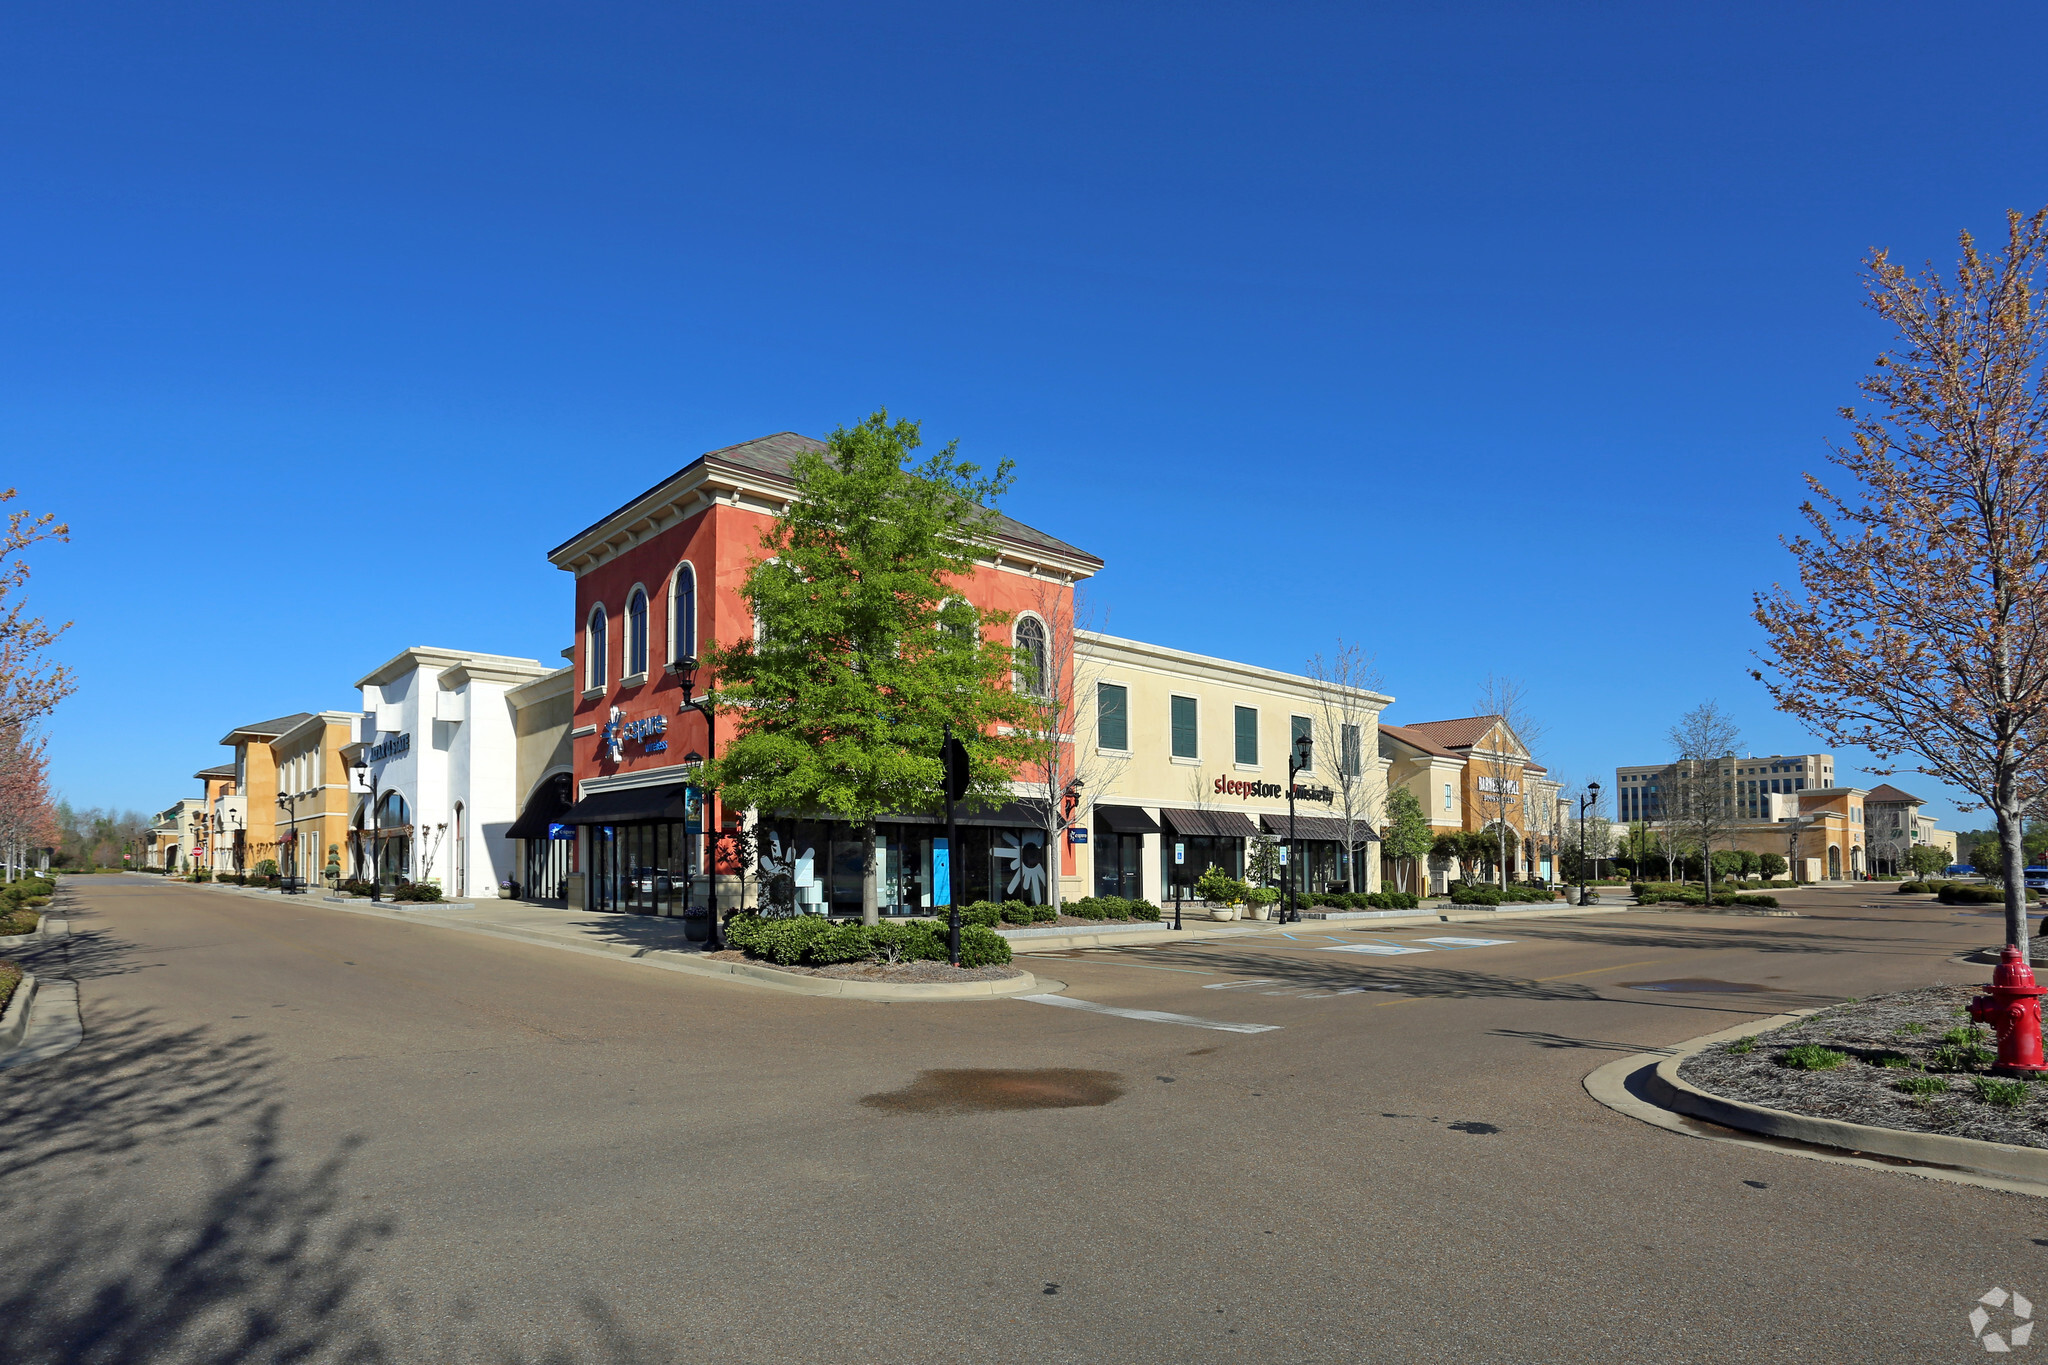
x,y
1247,735
1184,736
1112,716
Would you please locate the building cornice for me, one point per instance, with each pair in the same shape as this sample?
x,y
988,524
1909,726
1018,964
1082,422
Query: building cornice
x,y
428,657
1137,653
559,682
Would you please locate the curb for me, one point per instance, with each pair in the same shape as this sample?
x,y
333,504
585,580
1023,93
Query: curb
x,y
1639,1087
50,1027
15,1022
49,929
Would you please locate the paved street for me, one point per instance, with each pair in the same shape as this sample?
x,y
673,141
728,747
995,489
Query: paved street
x,y
294,1132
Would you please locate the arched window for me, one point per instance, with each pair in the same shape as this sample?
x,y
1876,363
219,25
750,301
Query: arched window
x,y
682,605
636,633
1031,678
392,812
593,648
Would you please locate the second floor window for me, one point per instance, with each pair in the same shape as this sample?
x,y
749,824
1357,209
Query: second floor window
x,y
1185,734
636,632
1447,796
1112,716
593,649
682,637
1031,656
1247,735
1353,758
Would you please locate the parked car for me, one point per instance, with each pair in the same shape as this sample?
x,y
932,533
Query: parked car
x,y
1959,870
2037,878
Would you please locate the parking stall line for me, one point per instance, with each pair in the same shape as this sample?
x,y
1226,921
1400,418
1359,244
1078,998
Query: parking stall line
x,y
1148,1016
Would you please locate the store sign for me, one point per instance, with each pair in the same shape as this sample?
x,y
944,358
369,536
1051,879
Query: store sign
x,y
397,747
649,732
942,873
1076,835
1500,786
1272,791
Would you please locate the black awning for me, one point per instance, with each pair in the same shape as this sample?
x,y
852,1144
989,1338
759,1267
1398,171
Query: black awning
x,y
1320,827
627,807
1220,824
543,808
1009,813
1126,820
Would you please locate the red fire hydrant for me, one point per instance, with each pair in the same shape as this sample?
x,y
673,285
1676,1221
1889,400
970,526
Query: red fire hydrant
x,y
2013,1009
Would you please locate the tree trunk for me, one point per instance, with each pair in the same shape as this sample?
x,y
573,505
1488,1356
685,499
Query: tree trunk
x,y
2013,858
870,886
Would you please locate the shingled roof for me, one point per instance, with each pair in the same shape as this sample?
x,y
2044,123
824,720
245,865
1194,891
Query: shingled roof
x,y
1462,733
1884,793
268,729
771,457
1415,739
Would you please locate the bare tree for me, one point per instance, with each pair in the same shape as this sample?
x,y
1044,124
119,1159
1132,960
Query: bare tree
x,y
1056,678
1348,689
1701,798
1501,756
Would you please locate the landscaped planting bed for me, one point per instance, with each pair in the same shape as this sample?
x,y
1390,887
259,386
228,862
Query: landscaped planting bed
x,y
1911,1061
19,921
895,973
10,977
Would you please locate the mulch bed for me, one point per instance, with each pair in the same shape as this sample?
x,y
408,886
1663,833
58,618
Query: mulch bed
x,y
19,922
1905,1028
10,977
894,973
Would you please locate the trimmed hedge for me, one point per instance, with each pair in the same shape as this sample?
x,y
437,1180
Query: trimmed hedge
x,y
1467,894
814,941
1955,893
1679,893
1113,908
1364,900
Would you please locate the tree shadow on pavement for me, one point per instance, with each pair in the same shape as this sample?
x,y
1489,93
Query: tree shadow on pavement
x,y
1357,970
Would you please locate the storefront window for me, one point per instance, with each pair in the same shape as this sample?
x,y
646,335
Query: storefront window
x,y
1197,854
645,868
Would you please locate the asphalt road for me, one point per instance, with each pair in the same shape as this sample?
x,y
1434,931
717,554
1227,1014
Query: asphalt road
x,y
298,1134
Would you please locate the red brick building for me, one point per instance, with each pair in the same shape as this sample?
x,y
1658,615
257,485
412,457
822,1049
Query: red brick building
x,y
659,580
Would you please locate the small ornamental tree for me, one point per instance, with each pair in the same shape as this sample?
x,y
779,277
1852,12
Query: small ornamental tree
x,y
1926,859
1919,630
864,649
1772,865
1406,837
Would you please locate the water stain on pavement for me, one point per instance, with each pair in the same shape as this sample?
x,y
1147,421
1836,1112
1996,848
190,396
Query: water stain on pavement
x,y
1701,985
986,1090
1473,1126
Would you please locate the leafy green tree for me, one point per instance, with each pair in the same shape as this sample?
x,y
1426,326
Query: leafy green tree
x,y
864,649
1262,860
1772,865
1406,838
1926,859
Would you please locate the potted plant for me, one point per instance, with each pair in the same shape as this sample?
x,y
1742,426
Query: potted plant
x,y
505,889
1259,901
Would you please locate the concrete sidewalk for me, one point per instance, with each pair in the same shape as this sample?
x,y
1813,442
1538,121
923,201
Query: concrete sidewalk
x,y
592,930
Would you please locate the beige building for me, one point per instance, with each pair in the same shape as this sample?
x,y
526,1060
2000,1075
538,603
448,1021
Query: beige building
x,y
176,832
1185,763
311,807
246,818
543,711
1640,791
1468,774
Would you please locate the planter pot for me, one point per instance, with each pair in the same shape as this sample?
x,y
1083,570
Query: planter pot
x,y
1264,912
504,893
696,926
1220,912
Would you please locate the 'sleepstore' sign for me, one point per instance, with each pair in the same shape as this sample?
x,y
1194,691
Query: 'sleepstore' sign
x,y
1272,791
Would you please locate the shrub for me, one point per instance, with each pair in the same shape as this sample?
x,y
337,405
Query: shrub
x,y
1144,910
1216,885
1811,1057
1742,1045
814,941
1044,914
1017,912
985,913
1088,907
356,886
983,948
416,891
202,875
1954,893
1748,898
1917,888
1262,895
267,867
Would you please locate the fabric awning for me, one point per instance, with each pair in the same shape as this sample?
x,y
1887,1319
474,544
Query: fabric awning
x,y
1126,819
1221,824
543,808
1320,827
1009,813
626,807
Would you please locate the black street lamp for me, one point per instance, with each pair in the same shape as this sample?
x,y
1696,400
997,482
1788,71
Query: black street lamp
x,y
1297,762
1590,799
236,844
686,669
368,775
290,801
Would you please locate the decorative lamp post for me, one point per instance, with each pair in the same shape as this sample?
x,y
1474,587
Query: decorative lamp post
x,y
686,669
1586,802
1297,762
235,821
368,775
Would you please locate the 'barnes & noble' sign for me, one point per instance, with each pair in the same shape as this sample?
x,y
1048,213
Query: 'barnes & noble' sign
x,y
1272,791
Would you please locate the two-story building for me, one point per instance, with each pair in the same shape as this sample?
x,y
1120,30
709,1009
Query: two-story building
x,y
1189,760
312,804
659,581
1470,774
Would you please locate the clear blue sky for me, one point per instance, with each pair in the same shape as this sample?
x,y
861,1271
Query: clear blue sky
x,y
1494,336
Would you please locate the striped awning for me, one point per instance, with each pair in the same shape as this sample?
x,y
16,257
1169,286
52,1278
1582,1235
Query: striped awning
x,y
1320,827
1220,824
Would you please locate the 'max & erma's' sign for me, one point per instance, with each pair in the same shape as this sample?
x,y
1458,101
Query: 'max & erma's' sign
x,y
396,747
1272,791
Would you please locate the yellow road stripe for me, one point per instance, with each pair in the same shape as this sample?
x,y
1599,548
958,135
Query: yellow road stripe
x,y
1595,971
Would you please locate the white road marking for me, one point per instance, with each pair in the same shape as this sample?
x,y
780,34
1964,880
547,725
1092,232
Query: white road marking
x,y
1233,985
1381,949
1148,1016
1466,942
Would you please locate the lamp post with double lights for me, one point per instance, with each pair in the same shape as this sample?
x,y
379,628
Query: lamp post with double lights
x,y
1586,802
686,670
1297,762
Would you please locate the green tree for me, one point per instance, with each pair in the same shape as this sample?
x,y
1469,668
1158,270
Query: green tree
x,y
1406,838
1926,859
1772,865
864,649
1262,860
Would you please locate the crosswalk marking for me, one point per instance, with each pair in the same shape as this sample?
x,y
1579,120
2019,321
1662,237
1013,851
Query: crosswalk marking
x,y
1466,942
1233,985
1148,1016
1377,949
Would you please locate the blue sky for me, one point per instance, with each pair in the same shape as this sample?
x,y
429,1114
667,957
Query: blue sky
x,y
1496,337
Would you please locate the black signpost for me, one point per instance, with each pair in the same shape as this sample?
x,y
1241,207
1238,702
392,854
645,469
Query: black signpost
x,y
953,758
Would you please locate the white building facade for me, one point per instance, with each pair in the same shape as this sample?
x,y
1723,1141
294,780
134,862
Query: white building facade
x,y
434,770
